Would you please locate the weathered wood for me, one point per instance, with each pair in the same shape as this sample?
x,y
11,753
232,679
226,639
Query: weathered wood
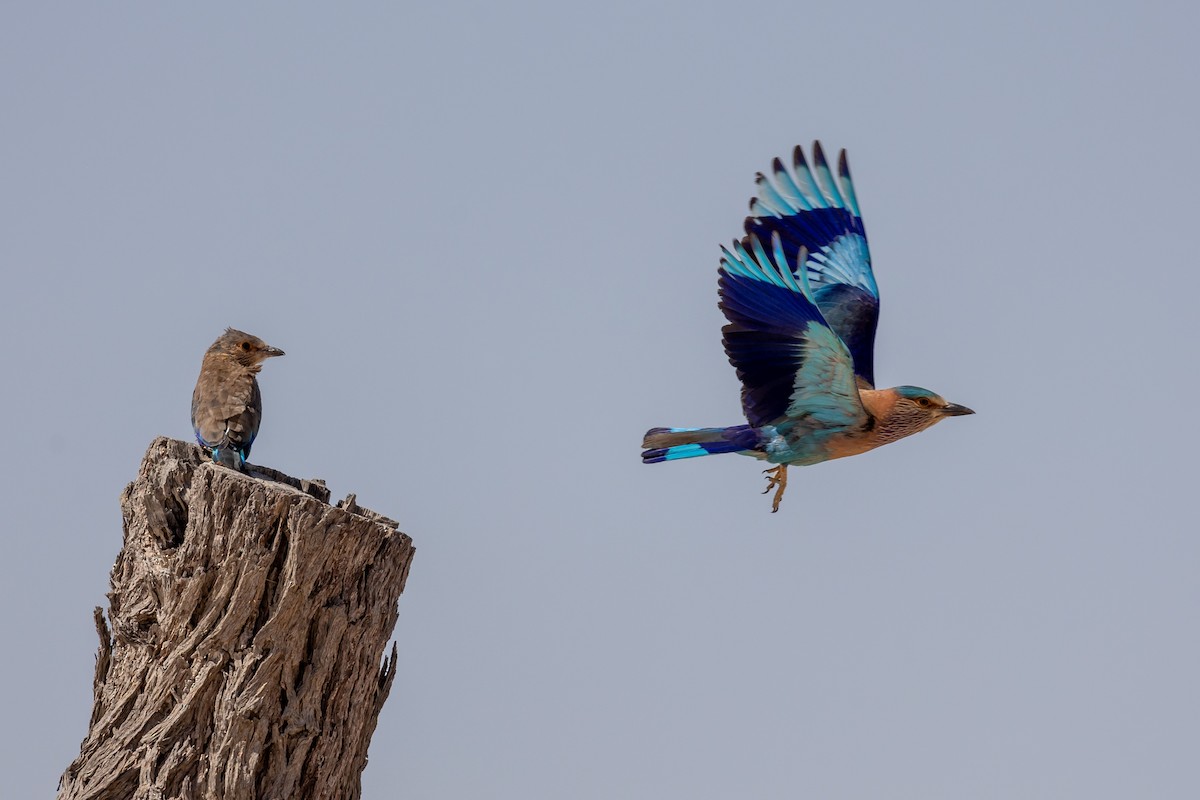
x,y
249,618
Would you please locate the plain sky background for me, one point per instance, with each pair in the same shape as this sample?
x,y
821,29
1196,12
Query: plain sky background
x,y
487,237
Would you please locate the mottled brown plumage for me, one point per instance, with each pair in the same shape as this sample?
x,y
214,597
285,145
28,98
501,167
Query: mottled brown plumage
x,y
226,404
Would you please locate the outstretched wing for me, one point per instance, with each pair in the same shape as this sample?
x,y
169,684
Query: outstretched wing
x,y
791,365
821,215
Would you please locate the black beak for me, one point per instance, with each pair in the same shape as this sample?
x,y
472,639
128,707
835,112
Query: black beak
x,y
955,410
272,351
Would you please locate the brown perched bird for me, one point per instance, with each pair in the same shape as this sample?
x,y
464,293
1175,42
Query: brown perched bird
x,y
226,405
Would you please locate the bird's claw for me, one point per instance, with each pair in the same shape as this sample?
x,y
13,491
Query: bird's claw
x,y
777,480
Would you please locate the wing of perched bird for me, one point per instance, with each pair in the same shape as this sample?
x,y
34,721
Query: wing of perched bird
x,y
812,211
794,369
226,412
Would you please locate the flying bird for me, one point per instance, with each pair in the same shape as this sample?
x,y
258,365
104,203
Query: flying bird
x,y
226,404
802,306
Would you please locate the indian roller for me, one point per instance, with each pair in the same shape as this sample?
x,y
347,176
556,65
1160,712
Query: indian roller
x,y
226,404
802,306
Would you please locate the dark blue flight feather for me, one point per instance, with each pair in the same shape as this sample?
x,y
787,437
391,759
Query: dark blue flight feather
x,y
821,215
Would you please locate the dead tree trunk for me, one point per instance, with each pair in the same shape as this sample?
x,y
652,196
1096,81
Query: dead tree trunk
x,y
249,618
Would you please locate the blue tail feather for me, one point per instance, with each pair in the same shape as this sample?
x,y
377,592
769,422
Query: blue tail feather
x,y
671,444
689,451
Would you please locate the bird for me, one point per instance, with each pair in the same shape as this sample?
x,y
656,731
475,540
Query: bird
x,y
802,307
226,403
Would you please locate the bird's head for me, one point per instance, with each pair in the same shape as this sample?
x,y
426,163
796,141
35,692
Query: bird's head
x,y
916,409
247,350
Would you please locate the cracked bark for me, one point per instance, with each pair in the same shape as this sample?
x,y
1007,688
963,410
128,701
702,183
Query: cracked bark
x,y
248,623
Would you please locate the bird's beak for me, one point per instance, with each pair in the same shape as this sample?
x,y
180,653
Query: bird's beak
x,y
272,351
955,410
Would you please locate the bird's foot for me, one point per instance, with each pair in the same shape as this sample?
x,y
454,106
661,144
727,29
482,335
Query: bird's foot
x,y
777,480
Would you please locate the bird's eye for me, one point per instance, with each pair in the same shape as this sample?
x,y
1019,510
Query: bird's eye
x,y
923,402
246,346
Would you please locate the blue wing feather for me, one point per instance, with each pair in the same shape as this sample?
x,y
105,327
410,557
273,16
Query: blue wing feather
x,y
820,214
791,365
829,187
848,186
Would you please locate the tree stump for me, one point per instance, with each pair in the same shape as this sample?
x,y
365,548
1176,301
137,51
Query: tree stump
x,y
248,623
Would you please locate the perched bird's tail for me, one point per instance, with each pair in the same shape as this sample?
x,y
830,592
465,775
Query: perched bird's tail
x,y
669,444
234,459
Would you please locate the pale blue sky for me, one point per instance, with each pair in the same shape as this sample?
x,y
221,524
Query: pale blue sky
x,y
487,237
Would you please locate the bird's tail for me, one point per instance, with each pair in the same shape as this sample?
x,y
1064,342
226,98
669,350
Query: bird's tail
x,y
227,456
670,444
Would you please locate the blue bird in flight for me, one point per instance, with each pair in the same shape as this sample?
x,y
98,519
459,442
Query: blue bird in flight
x,y
803,306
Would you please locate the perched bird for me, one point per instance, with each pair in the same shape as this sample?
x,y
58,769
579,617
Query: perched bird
x,y
226,404
801,334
